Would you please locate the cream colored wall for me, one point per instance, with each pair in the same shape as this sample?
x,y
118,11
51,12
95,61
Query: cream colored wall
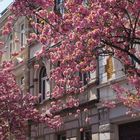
x,y
20,69
15,33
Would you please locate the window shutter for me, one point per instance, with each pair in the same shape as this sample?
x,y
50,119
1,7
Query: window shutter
x,y
109,67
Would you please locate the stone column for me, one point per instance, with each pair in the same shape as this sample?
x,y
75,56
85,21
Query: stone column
x,y
106,129
106,132
95,132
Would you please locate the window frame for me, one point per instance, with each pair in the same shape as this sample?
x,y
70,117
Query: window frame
x,y
83,77
22,80
44,89
22,35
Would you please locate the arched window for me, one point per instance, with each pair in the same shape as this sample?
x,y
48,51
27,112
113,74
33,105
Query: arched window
x,y
22,35
44,85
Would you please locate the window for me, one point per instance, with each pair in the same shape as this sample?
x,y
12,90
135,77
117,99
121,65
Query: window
x,y
22,35
39,21
44,85
22,80
61,137
84,77
86,134
10,45
59,8
85,3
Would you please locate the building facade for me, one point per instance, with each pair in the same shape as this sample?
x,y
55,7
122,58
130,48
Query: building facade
x,y
15,48
94,122
105,123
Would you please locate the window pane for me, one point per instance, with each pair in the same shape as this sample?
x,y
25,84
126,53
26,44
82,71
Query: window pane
x,y
44,85
22,27
10,49
22,35
22,80
22,39
11,37
43,89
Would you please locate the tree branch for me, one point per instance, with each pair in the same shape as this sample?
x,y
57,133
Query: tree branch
x,y
123,50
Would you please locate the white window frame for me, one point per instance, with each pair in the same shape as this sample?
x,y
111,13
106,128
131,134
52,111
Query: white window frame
x,y
47,88
44,94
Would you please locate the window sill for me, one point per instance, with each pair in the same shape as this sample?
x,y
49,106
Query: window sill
x,y
111,81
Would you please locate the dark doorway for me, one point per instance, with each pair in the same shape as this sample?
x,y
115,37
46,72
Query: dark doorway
x,y
129,131
62,137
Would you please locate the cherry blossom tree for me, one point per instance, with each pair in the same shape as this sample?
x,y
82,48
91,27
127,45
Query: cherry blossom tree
x,y
83,30
16,108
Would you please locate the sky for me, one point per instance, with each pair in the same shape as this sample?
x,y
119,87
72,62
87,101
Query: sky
x,y
4,4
